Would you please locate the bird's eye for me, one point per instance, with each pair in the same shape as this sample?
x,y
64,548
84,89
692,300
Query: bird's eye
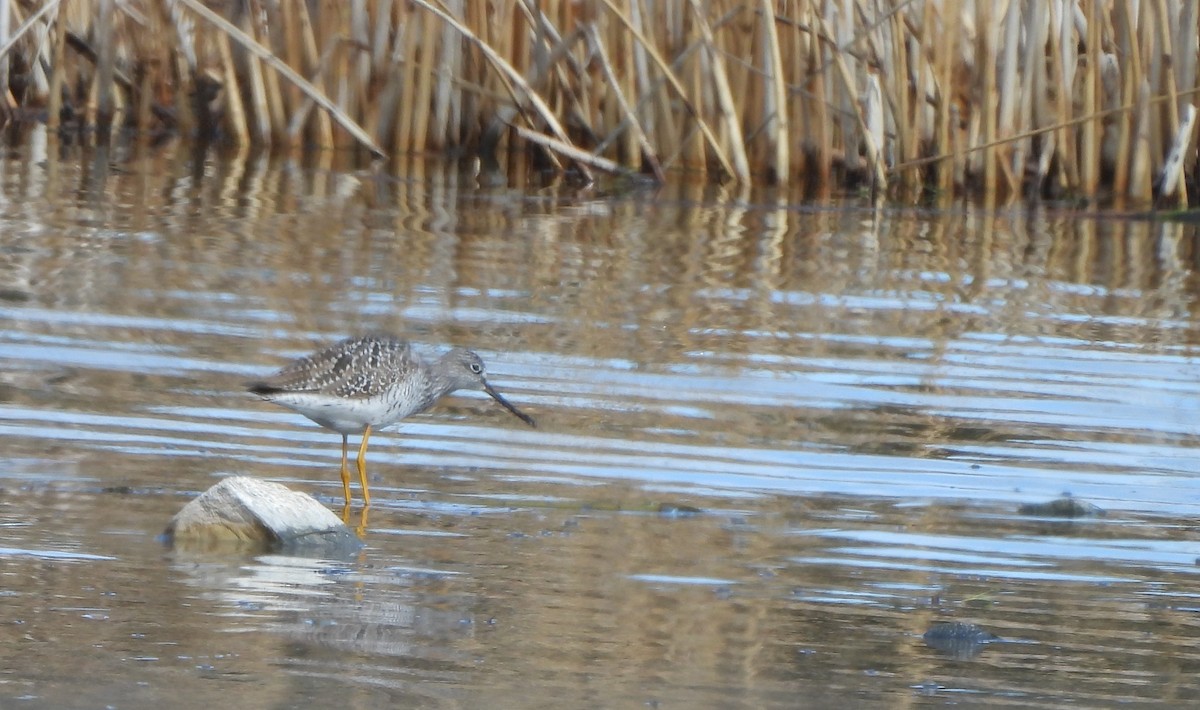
x,y
477,368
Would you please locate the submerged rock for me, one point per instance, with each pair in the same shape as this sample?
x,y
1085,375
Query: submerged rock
x,y
1065,507
959,639
246,512
672,510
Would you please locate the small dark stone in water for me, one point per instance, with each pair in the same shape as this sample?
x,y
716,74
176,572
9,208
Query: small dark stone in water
x,y
118,490
14,295
958,639
1065,507
671,510
959,630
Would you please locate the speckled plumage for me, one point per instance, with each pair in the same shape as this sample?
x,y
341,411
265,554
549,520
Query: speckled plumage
x,y
370,382
357,367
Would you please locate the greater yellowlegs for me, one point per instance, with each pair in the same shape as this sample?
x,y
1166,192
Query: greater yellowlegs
x,y
372,381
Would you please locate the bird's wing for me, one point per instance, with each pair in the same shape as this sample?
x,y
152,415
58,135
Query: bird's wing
x,y
359,367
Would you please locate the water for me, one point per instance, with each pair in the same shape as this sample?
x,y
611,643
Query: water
x,y
777,444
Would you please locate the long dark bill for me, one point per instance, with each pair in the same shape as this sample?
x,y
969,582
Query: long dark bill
x,y
508,405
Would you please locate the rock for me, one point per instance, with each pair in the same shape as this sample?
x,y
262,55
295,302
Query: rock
x,y
1065,507
671,510
959,639
246,512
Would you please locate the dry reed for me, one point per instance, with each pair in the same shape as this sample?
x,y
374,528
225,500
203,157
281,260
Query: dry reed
x,y
1073,98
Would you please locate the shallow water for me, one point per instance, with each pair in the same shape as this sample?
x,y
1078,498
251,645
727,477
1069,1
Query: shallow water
x,y
777,443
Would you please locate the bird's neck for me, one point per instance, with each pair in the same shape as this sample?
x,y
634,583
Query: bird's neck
x,y
441,383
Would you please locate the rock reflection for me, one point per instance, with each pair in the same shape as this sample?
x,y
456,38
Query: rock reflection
x,y
336,605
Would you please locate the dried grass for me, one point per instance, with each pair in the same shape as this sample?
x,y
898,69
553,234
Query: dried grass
x,y
914,97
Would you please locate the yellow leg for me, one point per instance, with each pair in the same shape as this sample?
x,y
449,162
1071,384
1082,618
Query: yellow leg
x,y
345,470
362,465
361,528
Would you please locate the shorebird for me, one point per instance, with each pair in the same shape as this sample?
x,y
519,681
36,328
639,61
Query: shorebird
x,y
370,382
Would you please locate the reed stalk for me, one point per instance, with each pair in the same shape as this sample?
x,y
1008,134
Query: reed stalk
x,y
54,104
622,103
1172,179
260,124
775,98
946,143
1090,148
731,122
6,13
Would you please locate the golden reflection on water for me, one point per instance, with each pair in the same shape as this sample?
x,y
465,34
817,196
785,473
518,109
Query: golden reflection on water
x,y
857,398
